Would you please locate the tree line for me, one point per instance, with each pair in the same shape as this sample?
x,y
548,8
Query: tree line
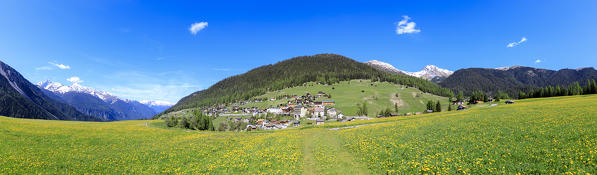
x,y
590,87
197,121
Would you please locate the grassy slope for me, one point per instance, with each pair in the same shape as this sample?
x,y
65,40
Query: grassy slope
x,y
545,136
348,94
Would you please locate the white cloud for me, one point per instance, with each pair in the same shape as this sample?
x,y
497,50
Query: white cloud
x,y
405,27
196,27
538,61
74,80
60,66
512,44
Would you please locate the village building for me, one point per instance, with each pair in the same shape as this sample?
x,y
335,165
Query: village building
x,y
275,111
319,122
319,112
328,103
332,113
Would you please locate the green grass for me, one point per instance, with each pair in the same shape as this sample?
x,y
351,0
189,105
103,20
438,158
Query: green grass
x,y
348,94
534,136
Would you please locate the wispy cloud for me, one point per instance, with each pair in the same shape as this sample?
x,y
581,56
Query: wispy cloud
x,y
405,27
60,66
196,27
74,80
167,86
537,61
513,44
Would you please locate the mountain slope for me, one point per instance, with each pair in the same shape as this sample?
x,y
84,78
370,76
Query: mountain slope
x,y
19,98
157,106
323,68
430,72
513,79
97,103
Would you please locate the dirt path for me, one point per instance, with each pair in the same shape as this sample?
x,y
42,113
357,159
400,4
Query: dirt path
x,y
308,158
324,153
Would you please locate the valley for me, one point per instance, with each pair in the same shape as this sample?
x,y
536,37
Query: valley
x,y
530,136
307,87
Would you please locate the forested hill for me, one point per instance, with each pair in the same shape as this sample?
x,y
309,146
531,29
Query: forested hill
x,y
324,68
514,79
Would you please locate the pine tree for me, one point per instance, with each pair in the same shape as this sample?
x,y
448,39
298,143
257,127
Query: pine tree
x,y
438,107
587,87
460,96
593,87
522,95
430,105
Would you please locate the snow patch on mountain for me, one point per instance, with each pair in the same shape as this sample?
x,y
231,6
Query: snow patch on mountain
x,y
384,66
507,68
76,87
430,72
156,103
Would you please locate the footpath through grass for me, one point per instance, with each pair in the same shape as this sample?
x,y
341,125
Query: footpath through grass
x,y
535,136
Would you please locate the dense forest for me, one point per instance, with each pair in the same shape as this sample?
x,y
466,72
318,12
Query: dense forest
x,y
513,80
322,68
589,87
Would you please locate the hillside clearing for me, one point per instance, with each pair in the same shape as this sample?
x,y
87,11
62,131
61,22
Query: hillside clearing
x,y
347,94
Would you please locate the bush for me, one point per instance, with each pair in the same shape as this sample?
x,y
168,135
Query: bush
x,y
171,121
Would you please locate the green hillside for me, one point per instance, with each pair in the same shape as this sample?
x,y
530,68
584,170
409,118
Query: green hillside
x,y
347,94
534,136
322,68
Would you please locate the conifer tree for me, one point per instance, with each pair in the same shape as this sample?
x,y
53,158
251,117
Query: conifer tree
x,y
438,107
593,87
430,105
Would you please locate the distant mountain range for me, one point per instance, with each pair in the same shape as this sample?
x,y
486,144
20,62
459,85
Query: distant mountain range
x,y
157,106
101,104
430,72
513,79
20,98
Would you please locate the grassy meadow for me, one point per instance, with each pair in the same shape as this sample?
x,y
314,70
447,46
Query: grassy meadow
x,y
534,136
347,94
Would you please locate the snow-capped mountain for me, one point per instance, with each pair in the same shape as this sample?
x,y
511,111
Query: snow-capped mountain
x,y
22,99
156,105
385,67
76,87
430,72
97,103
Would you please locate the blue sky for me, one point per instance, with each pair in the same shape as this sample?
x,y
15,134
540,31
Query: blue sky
x,y
145,50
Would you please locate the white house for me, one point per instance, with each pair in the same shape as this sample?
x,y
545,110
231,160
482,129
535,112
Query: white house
x,y
319,112
332,113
